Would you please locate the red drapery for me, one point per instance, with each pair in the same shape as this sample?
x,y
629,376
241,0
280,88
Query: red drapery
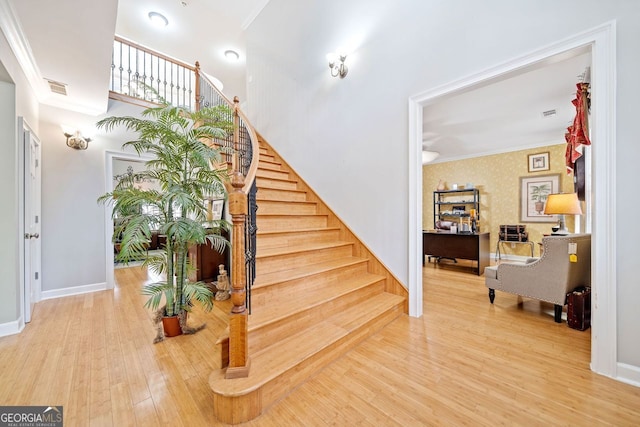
x,y
578,133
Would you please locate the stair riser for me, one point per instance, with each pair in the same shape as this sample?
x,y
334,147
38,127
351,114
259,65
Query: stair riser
x,y
243,406
267,165
266,173
273,391
289,208
299,259
267,157
282,195
274,183
296,288
265,241
266,335
279,223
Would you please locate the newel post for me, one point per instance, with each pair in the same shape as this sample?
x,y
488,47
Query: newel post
x,y
238,208
196,71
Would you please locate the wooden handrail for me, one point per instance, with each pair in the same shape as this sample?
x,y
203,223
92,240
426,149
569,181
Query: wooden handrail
x,y
154,53
255,150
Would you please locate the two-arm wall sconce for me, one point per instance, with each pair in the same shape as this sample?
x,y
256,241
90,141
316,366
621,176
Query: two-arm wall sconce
x,y
337,69
77,141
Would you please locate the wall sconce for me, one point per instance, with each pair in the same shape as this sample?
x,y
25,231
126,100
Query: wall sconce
x,y
77,141
337,69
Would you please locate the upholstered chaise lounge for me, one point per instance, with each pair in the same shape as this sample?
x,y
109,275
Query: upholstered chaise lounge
x,y
548,278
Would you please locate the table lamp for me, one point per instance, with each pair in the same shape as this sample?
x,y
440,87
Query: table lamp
x,y
561,205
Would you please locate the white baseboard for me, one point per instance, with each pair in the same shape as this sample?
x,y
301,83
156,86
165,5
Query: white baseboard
x,y
11,328
76,290
628,374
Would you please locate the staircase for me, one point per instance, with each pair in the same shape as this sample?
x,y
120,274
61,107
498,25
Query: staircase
x,y
318,292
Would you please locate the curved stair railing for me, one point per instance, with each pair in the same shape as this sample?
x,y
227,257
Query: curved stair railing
x,y
140,76
242,207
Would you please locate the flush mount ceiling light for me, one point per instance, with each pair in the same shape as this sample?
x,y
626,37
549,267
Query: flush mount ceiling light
x,y
429,156
231,55
158,19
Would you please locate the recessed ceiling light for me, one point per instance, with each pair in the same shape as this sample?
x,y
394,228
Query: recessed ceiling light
x,y
158,19
231,55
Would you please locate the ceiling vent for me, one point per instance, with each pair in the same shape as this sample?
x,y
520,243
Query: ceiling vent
x,y
549,113
57,87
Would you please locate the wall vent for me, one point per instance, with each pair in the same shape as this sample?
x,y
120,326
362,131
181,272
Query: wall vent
x,y
549,113
57,87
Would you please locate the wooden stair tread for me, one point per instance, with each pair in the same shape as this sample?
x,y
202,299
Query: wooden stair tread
x,y
289,190
285,215
284,202
270,178
269,166
267,279
285,355
301,230
307,247
263,316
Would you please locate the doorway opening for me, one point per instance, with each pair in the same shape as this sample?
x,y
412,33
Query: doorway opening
x,y
601,42
116,164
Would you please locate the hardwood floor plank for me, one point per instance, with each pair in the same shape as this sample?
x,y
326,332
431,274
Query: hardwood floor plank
x,y
145,414
100,391
465,362
135,374
121,407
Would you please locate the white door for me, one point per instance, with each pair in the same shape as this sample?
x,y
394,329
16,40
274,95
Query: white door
x,y
32,221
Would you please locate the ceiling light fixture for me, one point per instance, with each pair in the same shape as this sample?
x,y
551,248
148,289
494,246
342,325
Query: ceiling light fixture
x,y
231,55
429,156
158,19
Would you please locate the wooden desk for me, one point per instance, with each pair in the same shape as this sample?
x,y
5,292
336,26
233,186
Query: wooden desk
x,y
474,247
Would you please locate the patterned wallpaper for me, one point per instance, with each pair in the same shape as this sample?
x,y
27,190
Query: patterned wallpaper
x,y
498,179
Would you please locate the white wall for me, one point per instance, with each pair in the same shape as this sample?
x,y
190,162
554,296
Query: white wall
x,y
16,99
348,137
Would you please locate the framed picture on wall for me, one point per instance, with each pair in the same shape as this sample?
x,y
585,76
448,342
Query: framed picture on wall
x,y
534,191
215,209
539,162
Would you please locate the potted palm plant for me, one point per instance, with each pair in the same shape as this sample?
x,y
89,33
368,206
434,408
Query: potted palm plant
x,y
188,170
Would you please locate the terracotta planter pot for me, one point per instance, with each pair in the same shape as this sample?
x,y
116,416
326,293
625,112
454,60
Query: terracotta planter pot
x,y
171,326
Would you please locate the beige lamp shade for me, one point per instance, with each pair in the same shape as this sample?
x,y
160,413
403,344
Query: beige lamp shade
x,y
563,204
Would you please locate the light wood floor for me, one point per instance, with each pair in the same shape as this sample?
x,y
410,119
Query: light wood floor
x,y
465,362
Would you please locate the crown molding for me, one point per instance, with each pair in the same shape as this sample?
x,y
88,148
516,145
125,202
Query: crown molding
x,y
253,15
10,25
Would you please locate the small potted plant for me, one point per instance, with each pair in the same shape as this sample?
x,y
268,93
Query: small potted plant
x,y
187,169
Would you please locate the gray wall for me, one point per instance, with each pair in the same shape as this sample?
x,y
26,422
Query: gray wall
x,y
16,99
9,208
348,138
73,230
